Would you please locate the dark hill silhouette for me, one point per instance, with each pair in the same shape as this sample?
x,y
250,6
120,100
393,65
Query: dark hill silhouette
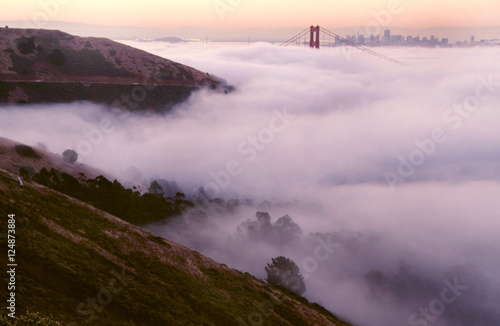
x,y
44,66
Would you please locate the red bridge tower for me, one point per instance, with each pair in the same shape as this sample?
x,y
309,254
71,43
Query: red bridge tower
x,y
314,42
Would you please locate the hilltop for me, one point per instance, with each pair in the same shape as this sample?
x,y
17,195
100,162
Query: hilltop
x,y
47,66
81,265
10,160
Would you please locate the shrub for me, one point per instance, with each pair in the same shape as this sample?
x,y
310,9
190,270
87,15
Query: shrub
x,y
26,151
70,156
29,319
57,57
23,173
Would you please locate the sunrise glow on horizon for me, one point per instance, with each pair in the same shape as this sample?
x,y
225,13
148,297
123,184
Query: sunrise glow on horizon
x,y
234,14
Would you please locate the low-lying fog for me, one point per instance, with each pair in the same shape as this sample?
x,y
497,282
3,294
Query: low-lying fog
x,y
391,172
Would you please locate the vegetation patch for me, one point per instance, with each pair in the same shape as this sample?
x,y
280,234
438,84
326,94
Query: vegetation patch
x,y
90,63
57,57
29,319
183,73
112,197
25,45
26,151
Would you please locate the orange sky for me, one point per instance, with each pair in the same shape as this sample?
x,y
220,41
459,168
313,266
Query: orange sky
x,y
224,14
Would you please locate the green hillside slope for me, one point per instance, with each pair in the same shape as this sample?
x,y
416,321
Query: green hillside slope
x,y
86,267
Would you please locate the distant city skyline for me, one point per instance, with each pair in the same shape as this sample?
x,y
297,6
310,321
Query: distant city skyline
x,y
411,40
239,14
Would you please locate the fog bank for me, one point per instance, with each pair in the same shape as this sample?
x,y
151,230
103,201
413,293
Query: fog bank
x,y
395,168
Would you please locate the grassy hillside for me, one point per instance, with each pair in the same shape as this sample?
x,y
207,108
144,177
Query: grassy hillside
x,y
84,266
49,55
10,160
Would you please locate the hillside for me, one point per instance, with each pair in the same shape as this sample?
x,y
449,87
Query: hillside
x,y
11,161
44,66
82,265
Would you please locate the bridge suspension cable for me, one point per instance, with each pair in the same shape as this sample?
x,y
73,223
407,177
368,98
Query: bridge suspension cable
x,y
343,40
296,37
362,48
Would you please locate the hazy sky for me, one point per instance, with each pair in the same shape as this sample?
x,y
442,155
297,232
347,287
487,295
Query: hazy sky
x,y
259,13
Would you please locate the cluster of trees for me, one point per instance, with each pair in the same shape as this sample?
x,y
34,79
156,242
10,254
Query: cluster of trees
x,y
280,232
164,188
201,198
282,271
110,196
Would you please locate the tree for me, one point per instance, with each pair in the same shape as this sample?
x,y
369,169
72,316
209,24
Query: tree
x,y
170,188
286,229
57,57
156,189
70,156
284,272
26,45
23,173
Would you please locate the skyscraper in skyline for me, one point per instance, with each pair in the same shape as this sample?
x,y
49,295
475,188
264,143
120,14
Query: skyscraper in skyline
x,y
387,36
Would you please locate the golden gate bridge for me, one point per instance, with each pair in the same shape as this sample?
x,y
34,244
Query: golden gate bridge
x,y
314,42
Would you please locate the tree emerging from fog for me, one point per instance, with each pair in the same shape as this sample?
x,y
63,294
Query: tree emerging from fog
x,y
156,189
284,272
280,232
70,156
